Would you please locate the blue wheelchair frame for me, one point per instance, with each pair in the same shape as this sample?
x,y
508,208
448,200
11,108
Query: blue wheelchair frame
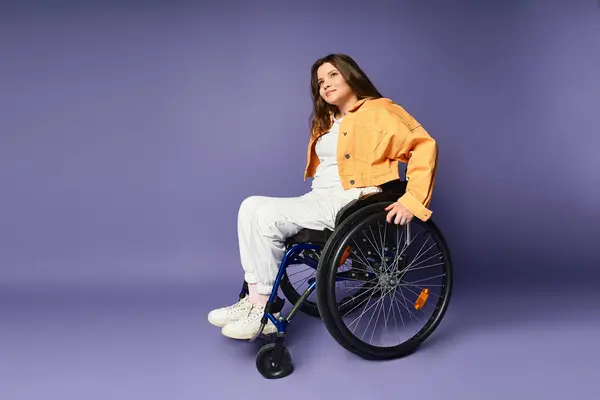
x,y
274,304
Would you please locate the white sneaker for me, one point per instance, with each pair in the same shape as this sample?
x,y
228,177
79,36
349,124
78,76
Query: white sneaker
x,y
247,326
226,315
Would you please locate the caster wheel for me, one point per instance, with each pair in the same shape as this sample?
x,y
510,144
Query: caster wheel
x,y
265,363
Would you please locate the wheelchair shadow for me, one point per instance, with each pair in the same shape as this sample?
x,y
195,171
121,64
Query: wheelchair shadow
x,y
471,313
494,309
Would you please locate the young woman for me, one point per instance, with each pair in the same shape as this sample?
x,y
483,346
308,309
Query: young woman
x,y
357,139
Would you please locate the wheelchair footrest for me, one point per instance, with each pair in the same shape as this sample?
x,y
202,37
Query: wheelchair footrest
x,y
276,306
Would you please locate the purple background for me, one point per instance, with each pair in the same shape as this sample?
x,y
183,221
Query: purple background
x,y
130,134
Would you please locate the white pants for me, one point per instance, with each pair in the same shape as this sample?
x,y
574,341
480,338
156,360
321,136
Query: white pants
x,y
264,223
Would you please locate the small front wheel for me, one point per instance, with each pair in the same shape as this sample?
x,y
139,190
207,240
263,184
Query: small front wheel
x,y
267,364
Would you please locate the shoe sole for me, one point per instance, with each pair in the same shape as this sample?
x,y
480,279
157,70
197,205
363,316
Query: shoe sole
x,y
220,324
217,324
268,330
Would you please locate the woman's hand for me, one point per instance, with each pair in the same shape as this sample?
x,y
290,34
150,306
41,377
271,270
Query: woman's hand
x,y
403,216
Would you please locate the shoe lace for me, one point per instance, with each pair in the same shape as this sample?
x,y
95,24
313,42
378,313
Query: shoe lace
x,y
239,306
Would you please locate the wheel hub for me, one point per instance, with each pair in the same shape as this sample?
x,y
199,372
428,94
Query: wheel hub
x,y
388,281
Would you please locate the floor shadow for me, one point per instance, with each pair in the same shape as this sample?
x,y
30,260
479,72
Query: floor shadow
x,y
512,306
473,309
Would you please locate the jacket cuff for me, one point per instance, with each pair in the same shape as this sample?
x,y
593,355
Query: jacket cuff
x,y
414,206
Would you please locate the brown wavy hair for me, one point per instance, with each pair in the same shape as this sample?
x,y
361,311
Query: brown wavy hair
x,y
359,82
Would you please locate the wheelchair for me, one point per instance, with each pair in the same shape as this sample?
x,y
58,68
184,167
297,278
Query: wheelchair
x,y
362,249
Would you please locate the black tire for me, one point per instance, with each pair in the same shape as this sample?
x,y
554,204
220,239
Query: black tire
x,y
326,299
264,362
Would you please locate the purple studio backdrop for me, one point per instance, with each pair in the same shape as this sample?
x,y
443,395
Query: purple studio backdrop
x,y
131,131
130,134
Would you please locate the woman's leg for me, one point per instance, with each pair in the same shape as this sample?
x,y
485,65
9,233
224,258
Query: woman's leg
x,y
264,223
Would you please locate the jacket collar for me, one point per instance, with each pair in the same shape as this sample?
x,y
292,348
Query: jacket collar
x,y
355,107
359,103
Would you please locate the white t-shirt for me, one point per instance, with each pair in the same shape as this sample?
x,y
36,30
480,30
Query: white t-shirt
x,y
327,174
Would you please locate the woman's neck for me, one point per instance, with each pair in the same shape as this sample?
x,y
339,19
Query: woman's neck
x,y
344,108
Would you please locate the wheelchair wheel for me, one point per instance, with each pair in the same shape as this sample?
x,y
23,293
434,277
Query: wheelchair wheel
x,y
405,272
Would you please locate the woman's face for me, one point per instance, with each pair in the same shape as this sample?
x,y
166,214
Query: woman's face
x,y
332,86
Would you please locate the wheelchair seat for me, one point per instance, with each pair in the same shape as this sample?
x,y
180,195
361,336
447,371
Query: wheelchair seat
x,y
310,236
390,191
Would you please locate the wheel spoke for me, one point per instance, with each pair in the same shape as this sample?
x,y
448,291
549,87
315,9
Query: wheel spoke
x,y
407,265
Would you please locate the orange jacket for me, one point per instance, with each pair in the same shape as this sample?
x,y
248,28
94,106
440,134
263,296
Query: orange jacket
x,y
374,136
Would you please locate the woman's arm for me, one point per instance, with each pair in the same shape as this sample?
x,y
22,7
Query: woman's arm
x,y
415,147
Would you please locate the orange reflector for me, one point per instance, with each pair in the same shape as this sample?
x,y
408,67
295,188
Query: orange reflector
x,y
345,255
421,299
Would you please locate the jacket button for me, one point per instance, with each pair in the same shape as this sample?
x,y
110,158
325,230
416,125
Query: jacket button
x,y
347,156
352,182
